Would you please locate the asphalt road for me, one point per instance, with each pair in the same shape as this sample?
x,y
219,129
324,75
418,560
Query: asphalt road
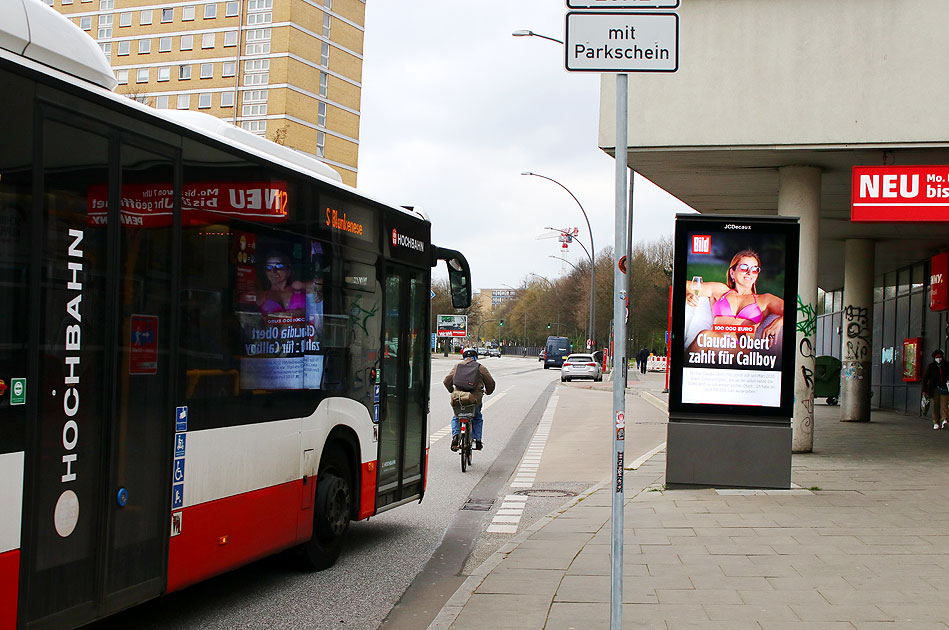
x,y
385,554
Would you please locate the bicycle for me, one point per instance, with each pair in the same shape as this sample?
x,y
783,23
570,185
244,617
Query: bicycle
x,y
465,415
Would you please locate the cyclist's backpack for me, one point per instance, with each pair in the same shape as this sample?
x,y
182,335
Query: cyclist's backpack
x,y
466,376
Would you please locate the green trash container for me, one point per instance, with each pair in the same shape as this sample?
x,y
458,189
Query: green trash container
x,y
827,379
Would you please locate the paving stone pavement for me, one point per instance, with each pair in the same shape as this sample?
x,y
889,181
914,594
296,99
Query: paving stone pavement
x,y
862,543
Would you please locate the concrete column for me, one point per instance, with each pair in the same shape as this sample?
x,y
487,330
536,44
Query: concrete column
x,y
799,196
858,331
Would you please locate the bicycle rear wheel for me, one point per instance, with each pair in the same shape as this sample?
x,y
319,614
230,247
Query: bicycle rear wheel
x,y
463,443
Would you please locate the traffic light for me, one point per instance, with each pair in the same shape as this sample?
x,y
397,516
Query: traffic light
x,y
548,325
501,323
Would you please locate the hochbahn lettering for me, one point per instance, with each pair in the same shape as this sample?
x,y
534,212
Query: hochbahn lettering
x,y
67,508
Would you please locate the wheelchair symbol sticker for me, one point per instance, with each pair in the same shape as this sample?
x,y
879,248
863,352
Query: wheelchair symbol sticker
x,y
179,471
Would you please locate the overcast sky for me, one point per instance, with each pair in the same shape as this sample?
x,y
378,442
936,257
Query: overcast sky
x,y
453,110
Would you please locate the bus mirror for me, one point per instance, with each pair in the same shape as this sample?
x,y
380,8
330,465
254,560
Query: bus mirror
x,y
459,276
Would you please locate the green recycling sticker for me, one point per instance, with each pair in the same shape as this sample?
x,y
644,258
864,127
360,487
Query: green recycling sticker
x,y
17,391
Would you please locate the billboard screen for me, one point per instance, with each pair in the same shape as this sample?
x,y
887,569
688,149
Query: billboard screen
x,y
452,325
733,315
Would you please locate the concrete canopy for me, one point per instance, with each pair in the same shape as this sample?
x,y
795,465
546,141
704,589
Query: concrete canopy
x,y
763,85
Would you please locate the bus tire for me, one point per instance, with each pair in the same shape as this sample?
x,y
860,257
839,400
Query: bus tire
x,y
332,508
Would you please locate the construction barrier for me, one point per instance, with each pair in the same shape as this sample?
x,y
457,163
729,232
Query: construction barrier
x,y
656,364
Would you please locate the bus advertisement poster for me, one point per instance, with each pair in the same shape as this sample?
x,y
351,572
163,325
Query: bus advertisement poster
x,y
734,287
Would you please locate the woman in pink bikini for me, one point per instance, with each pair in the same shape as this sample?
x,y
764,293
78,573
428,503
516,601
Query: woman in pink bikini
x,y
283,295
737,307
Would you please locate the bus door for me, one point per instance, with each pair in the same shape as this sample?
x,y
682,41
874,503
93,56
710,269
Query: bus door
x,y
403,436
99,466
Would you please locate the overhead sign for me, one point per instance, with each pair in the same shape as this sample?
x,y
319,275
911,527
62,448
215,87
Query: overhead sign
x,y
623,4
621,42
452,326
899,194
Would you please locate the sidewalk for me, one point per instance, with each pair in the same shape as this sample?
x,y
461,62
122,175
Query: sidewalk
x,y
863,543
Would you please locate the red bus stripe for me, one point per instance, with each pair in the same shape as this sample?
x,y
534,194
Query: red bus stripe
x,y
367,493
221,535
9,586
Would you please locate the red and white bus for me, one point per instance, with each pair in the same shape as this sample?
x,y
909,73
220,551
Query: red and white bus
x,y
210,349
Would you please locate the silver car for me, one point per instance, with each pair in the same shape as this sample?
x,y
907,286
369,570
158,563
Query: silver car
x,y
580,366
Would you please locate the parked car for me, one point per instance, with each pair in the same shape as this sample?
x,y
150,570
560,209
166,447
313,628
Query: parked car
x,y
540,355
494,352
580,366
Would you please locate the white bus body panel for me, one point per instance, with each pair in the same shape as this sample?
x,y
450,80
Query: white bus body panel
x,y
11,500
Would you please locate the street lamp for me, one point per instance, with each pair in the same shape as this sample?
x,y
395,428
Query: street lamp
x,y
526,33
590,329
564,260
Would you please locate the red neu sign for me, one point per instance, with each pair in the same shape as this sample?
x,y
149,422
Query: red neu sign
x,y
939,297
899,193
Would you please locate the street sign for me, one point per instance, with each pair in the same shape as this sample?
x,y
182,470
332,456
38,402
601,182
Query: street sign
x,y
622,4
621,42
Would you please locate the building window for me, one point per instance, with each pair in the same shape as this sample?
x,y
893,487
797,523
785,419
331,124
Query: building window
x,y
227,99
321,114
184,101
328,4
204,101
105,26
254,110
259,18
207,70
161,102
105,33
106,48
255,126
258,35
259,5
326,24
106,4
324,82
142,75
122,76
230,38
320,144
207,40
125,19
85,22
229,69
187,42
164,73
50,2
255,96
231,9
187,14
164,44
262,48
167,15
210,11
260,78
145,17
325,54
257,65
184,73
124,47
144,46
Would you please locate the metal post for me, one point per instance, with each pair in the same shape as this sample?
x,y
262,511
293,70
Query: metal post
x,y
619,349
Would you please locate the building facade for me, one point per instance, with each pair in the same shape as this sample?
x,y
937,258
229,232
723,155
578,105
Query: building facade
x,y
290,71
490,299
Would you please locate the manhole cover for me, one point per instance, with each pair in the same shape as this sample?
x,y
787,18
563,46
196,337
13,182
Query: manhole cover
x,y
478,505
539,492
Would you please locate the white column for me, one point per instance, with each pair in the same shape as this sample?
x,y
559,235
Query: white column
x,y
799,196
857,331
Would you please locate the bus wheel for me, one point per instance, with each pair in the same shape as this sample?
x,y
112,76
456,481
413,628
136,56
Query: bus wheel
x,y
331,511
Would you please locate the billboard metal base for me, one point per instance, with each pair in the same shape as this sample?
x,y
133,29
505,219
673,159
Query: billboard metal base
x,y
703,452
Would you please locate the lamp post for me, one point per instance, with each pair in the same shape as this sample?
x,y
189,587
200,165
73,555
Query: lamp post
x,y
526,33
564,260
590,330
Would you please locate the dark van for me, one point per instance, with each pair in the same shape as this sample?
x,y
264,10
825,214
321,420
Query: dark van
x,y
555,351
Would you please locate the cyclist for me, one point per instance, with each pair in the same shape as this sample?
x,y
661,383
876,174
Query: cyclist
x,y
484,384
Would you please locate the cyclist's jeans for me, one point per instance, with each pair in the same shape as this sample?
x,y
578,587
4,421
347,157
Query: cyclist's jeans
x,y
476,426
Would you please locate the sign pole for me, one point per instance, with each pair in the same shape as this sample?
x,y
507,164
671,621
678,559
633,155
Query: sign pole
x,y
620,359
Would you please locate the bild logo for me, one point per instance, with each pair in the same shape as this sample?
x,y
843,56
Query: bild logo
x,y
395,237
701,244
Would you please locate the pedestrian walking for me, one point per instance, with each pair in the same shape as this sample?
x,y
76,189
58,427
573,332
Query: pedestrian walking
x,y
935,387
642,358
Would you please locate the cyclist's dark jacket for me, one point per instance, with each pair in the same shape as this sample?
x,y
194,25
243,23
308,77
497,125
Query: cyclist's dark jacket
x,y
485,384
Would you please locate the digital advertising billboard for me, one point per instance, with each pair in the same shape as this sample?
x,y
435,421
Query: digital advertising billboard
x,y
734,311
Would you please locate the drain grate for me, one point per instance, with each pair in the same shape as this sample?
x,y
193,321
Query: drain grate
x,y
541,492
478,505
